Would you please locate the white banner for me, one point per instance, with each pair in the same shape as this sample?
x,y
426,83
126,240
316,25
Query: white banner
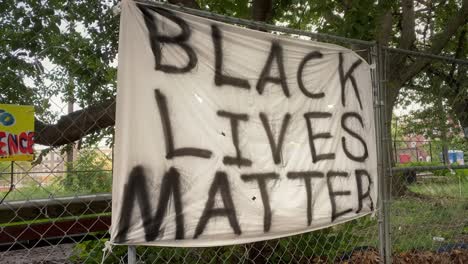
x,y
226,135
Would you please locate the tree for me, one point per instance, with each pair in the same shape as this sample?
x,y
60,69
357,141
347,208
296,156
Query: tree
x,y
436,116
441,29
91,174
79,38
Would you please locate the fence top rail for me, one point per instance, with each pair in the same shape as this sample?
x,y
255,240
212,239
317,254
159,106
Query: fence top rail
x,y
428,168
253,24
427,55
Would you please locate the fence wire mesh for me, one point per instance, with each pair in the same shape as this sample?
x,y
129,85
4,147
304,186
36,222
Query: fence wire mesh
x,y
428,186
57,209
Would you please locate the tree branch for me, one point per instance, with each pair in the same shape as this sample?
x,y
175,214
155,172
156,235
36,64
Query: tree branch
x,y
70,128
460,51
449,80
438,43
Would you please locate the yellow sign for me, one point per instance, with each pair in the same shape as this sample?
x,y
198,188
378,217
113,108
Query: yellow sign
x,y
16,132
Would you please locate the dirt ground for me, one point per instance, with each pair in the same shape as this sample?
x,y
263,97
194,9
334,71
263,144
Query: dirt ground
x,y
58,254
455,256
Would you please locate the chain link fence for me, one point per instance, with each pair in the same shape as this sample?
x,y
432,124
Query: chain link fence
x,y
428,186
58,208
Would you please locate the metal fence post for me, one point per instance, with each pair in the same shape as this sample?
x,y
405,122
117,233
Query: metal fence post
x,y
376,92
382,155
386,158
131,255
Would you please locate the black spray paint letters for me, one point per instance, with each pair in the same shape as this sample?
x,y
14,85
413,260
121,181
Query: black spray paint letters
x,y
348,75
300,72
234,118
333,194
361,196
273,72
261,179
220,184
275,146
221,79
276,53
136,194
313,150
351,156
136,191
307,176
171,151
157,40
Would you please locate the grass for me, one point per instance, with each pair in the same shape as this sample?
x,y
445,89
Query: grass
x,y
36,191
442,190
434,214
416,222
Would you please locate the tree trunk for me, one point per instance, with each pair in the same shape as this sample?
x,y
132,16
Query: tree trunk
x,y
261,10
398,186
461,111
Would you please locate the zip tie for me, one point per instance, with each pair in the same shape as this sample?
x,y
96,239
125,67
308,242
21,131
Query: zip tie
x,y
106,250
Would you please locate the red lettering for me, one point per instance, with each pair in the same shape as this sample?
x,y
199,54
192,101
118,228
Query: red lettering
x,y
23,137
12,144
30,142
2,144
